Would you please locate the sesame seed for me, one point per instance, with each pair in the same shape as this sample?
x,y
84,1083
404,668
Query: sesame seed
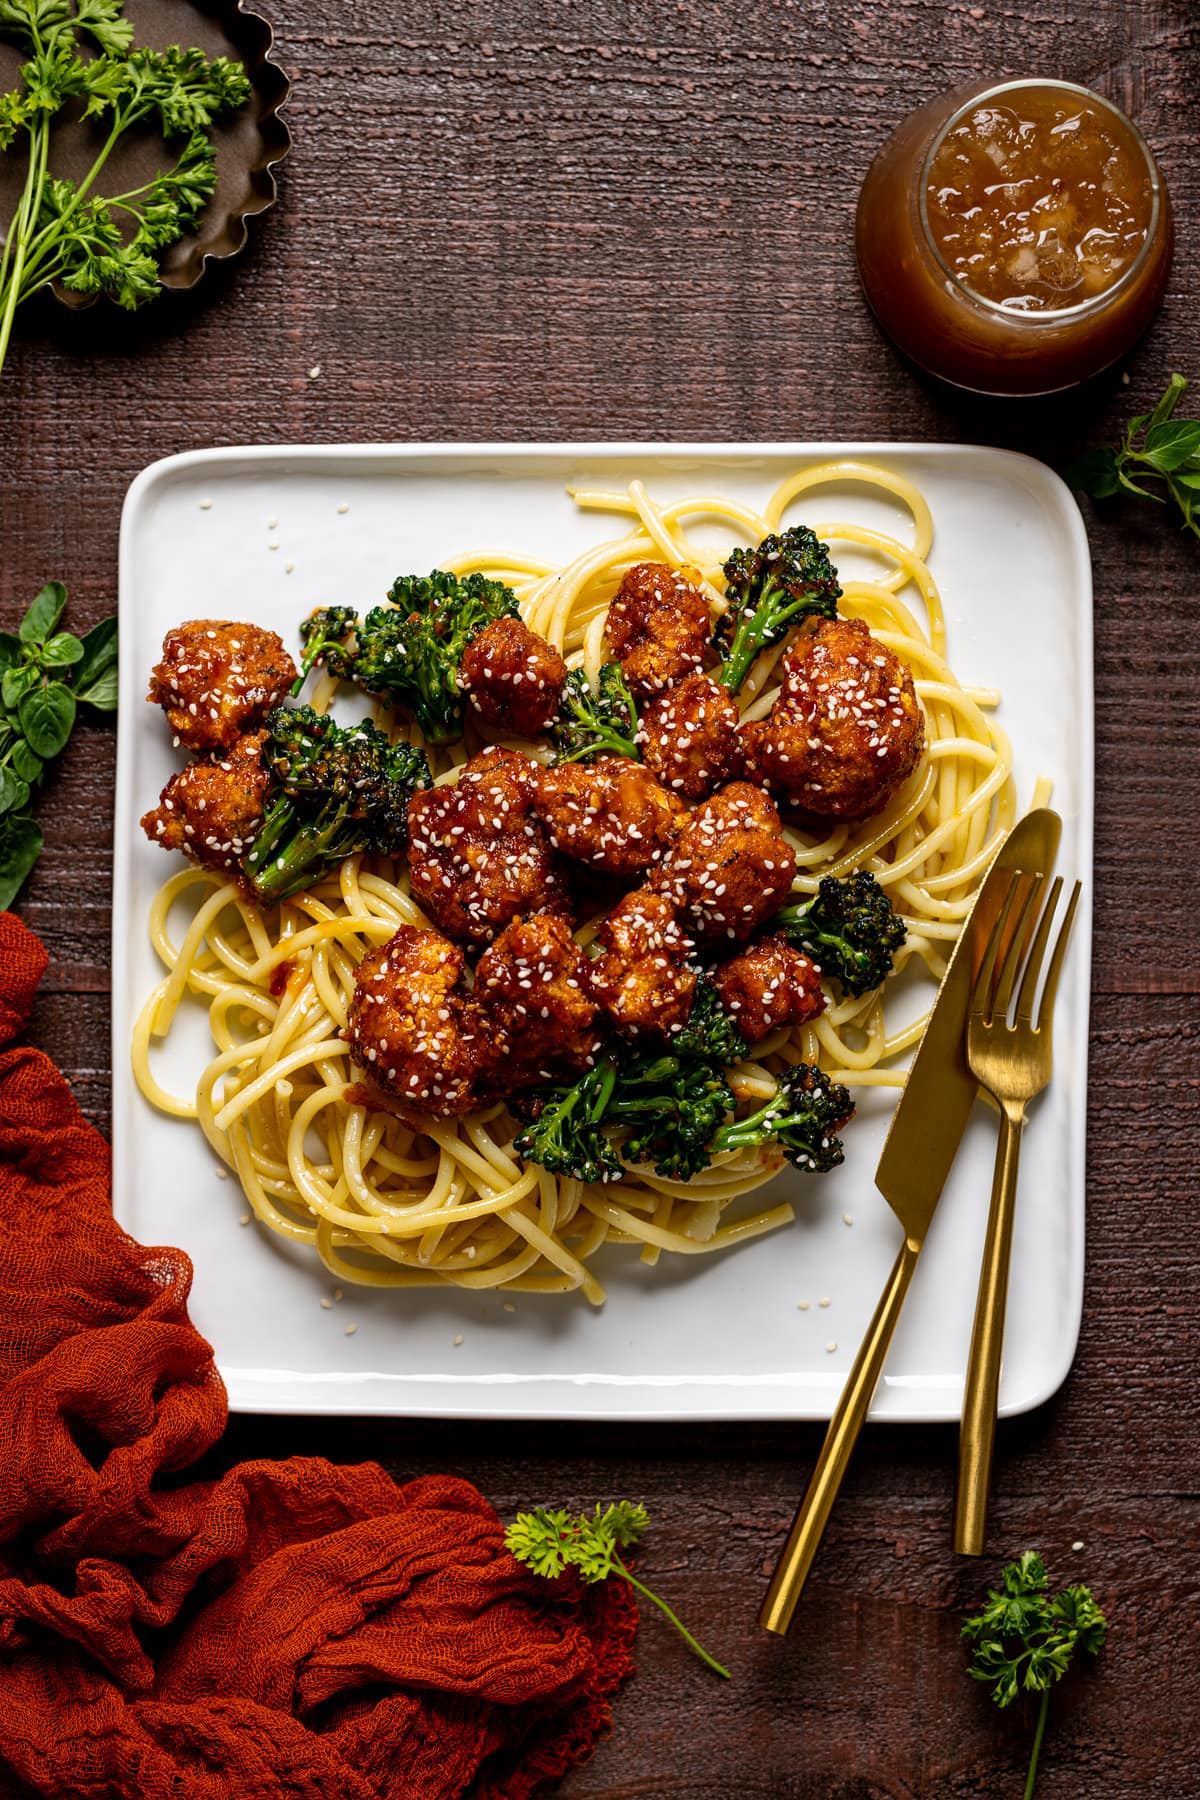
x,y
350,1330
206,506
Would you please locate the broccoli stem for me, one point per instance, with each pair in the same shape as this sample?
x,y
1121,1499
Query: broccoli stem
x,y
284,852
607,741
747,642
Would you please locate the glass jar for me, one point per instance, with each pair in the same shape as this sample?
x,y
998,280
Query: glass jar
x,y
1017,338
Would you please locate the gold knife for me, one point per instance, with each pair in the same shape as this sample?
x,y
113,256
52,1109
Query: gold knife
x,y
922,1142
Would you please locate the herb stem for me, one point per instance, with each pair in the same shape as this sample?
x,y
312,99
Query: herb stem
x,y
676,1621
20,229
1039,1734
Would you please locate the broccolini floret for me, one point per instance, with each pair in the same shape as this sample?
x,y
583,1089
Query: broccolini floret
x,y
324,635
335,790
674,1104
594,724
849,928
567,1134
710,1030
769,589
803,1117
410,652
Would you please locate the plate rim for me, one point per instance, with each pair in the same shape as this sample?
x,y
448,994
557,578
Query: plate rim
x,y
326,1400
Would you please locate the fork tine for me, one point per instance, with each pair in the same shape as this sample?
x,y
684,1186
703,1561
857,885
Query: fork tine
x,y
1046,1010
1033,967
1016,947
981,992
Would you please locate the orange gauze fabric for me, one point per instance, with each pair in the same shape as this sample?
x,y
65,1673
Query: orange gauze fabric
x,y
289,1629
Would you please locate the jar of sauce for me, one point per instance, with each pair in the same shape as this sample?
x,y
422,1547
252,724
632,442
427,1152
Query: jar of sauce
x,y
1015,238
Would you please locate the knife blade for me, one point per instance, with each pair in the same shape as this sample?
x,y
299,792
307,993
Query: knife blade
x,y
928,1124
921,1144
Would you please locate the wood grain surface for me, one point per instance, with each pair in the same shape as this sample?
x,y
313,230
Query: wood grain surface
x,y
541,219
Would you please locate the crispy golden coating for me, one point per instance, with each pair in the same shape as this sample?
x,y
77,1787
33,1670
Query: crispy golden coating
x,y
847,728
658,627
477,854
217,680
212,810
768,985
731,868
611,813
688,736
531,987
642,978
413,1028
513,678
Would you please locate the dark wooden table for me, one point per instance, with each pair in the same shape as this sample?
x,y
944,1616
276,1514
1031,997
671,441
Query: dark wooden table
x,y
624,220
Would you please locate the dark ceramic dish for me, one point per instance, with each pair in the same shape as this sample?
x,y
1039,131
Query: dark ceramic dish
x,y
248,145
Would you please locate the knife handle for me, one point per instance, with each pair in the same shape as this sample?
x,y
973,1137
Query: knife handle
x,y
808,1527
981,1392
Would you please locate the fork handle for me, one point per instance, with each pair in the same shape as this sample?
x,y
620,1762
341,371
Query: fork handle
x,y
808,1526
978,1435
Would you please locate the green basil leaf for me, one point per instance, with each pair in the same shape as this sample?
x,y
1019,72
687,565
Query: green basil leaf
x,y
44,614
1171,444
14,793
99,655
1188,478
10,650
101,693
20,847
1095,473
62,650
47,715
27,765
15,683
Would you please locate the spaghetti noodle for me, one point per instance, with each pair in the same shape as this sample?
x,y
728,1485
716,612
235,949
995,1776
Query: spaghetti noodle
x,y
386,1204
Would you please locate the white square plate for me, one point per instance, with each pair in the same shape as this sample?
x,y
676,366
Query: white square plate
x,y
266,534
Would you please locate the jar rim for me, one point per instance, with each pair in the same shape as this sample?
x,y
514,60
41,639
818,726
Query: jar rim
x,y
1081,308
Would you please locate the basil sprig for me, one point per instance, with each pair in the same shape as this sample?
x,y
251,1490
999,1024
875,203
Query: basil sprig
x,y
45,675
1158,449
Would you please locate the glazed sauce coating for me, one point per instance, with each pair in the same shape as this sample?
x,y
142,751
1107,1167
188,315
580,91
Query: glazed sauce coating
x,y
1038,201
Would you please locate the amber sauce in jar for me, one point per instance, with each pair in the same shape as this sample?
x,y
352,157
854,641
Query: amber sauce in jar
x,y
1015,239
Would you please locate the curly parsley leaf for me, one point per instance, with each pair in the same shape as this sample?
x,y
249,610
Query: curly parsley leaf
x,y
550,1540
1024,1638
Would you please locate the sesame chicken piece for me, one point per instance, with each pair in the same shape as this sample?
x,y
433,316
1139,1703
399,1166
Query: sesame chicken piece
x,y
769,985
611,813
531,989
513,678
217,680
847,727
688,736
731,868
413,1028
477,854
658,627
212,810
642,978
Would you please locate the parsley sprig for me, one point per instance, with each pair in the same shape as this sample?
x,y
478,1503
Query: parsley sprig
x,y
549,1541
83,56
1024,1639
1158,449
45,675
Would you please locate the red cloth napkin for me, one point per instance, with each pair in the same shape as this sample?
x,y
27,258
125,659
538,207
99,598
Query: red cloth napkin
x,y
292,1628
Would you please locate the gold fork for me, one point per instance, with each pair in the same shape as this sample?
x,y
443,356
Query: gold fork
x,y
1014,1063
